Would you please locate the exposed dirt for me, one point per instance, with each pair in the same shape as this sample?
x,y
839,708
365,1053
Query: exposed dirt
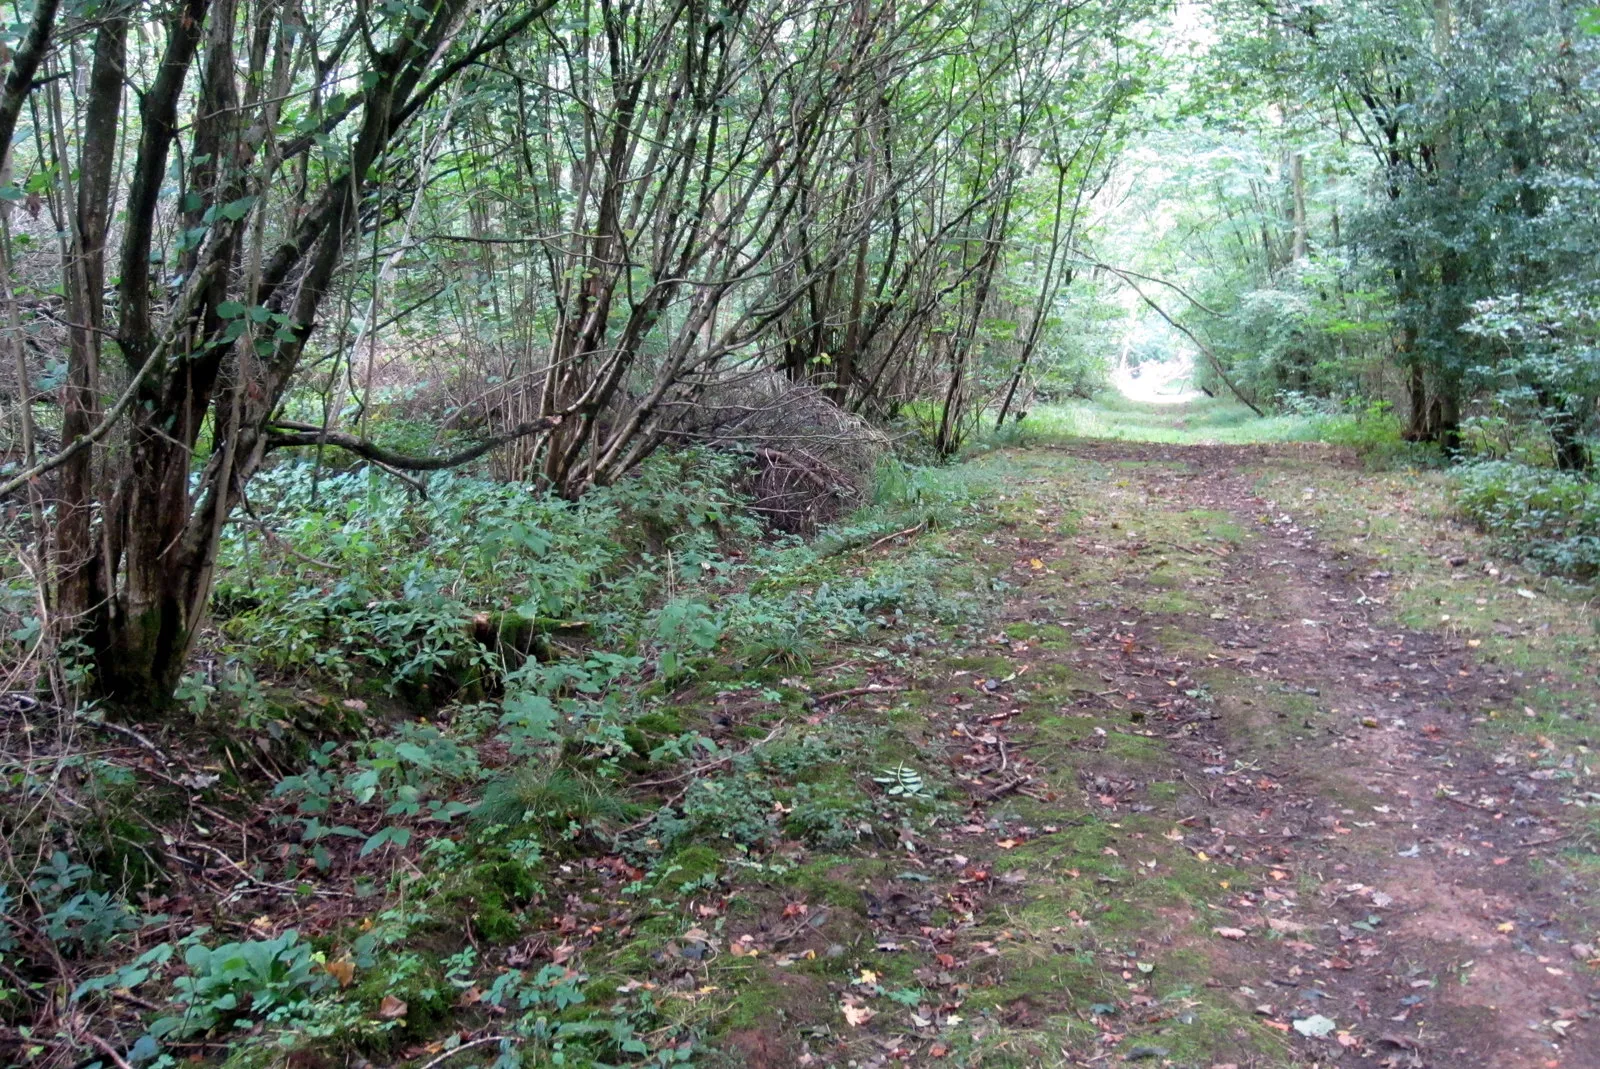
x,y
1392,884
1449,844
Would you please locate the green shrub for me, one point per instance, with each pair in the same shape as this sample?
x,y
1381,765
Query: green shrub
x,y
258,978
1551,518
1373,430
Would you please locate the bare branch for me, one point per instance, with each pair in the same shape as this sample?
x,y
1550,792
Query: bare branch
x,y
306,434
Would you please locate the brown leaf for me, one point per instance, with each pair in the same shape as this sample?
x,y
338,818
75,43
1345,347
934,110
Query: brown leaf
x,y
1230,933
391,1008
342,971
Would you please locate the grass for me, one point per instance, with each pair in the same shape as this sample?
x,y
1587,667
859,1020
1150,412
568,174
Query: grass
x,y
1208,421
1098,917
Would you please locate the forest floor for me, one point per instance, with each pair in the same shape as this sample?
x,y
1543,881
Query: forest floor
x,y
1173,746
1270,764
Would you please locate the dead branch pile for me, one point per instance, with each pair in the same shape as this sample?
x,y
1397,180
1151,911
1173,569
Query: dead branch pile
x,y
810,460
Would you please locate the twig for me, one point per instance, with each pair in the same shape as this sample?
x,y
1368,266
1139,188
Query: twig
x,y
129,733
278,542
854,692
1000,790
913,529
468,1045
709,765
108,1050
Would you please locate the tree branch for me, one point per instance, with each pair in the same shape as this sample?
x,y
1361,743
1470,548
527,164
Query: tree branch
x,y
304,434
1216,363
19,81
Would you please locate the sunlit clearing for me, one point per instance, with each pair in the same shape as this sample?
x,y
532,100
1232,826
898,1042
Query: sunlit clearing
x,y
1169,382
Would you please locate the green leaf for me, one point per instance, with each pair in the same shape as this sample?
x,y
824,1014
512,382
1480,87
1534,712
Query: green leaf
x,y
238,209
230,310
397,836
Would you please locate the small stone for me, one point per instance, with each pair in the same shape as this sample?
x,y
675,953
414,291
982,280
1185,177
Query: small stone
x,y
1582,951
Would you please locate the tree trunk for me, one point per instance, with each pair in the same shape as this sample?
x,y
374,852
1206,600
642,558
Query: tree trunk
x,y
1297,180
82,586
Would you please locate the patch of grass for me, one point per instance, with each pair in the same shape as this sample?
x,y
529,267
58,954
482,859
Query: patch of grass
x,y
1212,420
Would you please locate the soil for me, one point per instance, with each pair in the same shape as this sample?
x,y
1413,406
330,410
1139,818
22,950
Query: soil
x,y
1396,880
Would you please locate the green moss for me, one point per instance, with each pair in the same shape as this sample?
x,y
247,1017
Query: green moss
x,y
1173,603
687,866
415,980
1136,749
833,880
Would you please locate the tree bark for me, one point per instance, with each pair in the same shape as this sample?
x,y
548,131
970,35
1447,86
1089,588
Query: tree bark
x,y
81,587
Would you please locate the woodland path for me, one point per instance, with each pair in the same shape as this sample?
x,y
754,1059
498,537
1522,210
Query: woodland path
x,y
1244,794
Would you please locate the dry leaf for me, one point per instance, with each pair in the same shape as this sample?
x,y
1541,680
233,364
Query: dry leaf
x,y
342,971
391,1008
858,1015
1230,933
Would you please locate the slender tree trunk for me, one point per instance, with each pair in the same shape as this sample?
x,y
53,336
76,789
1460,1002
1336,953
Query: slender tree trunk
x,y
1297,182
82,586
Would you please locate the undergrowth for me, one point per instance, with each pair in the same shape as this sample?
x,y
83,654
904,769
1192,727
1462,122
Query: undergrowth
x,y
426,738
1549,518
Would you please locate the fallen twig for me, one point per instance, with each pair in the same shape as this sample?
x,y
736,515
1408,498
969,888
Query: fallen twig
x,y
709,765
134,736
1013,785
913,529
853,692
468,1045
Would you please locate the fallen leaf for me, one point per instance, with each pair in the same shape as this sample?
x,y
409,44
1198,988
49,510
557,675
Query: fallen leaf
x,y
1230,933
342,971
1316,1026
391,1008
858,1015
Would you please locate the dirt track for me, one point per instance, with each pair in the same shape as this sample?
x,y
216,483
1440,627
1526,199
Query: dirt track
x,y
1302,797
1390,802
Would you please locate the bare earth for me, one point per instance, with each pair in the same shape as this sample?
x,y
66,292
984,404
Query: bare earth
x,y
1228,809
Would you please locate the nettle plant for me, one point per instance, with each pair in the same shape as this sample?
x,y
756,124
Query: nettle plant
x,y
383,584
